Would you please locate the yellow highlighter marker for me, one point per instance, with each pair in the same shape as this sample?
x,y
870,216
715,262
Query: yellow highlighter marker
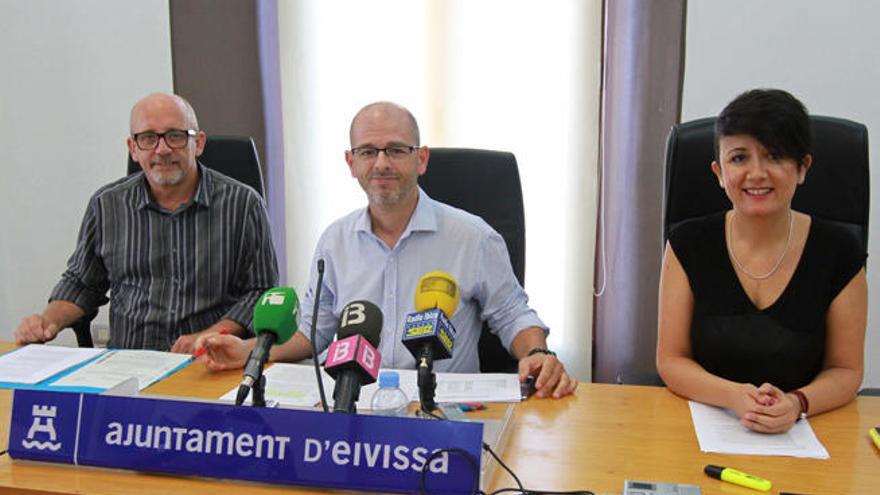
x,y
875,435
738,478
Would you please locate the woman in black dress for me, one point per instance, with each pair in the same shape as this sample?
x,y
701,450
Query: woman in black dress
x,y
762,308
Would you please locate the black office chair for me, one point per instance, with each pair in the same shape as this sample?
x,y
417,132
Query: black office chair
x,y
840,163
230,155
484,183
234,156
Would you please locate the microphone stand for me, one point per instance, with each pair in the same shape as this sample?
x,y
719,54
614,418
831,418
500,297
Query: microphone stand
x,y
314,336
257,386
258,391
427,381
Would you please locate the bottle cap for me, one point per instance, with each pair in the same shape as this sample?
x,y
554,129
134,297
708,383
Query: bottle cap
x,y
389,379
713,471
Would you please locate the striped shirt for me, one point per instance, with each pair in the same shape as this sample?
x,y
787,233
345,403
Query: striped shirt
x,y
170,273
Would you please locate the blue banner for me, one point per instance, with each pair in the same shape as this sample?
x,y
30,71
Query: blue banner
x,y
283,446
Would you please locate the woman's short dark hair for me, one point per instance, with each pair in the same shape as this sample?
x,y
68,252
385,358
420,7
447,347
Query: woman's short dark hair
x,y
772,116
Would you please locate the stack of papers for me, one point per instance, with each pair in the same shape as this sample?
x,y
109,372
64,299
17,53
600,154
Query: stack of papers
x,y
477,387
296,385
289,384
718,430
83,369
34,363
115,367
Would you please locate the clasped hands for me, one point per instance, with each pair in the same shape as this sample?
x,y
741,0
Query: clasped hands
x,y
766,409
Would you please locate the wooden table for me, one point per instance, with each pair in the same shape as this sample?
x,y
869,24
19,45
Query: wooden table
x,y
593,440
5,402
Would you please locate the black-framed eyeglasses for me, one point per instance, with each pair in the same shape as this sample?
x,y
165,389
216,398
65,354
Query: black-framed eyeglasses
x,y
175,138
393,152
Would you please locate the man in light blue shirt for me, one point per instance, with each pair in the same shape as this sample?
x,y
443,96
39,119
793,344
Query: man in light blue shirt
x,y
378,254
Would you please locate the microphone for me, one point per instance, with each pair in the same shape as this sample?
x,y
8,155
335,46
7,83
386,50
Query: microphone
x,y
428,333
274,323
352,360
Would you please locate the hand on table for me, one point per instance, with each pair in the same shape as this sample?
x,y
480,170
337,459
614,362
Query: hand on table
x,y
550,376
185,344
224,352
35,328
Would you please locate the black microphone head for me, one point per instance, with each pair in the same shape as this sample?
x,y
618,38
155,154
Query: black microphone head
x,y
361,318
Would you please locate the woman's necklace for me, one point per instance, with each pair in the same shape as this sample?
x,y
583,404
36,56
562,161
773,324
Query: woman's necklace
x,y
778,262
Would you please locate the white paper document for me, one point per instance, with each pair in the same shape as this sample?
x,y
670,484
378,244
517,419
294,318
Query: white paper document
x,y
451,387
477,387
295,385
116,366
718,430
34,363
289,385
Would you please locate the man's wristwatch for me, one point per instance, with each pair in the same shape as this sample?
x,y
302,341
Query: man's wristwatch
x,y
540,350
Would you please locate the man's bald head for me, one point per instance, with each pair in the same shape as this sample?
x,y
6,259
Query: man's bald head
x,y
158,100
168,170
384,110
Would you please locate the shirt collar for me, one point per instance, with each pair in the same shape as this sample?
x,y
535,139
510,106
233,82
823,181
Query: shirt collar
x,y
206,186
424,219
202,196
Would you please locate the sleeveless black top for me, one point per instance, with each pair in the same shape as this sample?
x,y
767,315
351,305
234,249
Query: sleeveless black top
x,y
783,344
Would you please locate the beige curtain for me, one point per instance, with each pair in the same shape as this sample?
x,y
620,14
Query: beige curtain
x,y
641,99
519,76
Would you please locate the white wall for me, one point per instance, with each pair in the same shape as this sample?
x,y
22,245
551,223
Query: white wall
x,y
825,53
71,71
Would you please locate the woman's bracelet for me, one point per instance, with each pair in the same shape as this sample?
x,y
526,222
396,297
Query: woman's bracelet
x,y
805,403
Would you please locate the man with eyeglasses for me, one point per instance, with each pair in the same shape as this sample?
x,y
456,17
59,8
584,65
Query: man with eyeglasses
x,y
378,253
183,250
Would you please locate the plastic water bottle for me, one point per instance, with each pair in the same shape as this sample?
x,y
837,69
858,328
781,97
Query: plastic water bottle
x,y
389,400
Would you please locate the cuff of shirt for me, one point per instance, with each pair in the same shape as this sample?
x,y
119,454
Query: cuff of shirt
x,y
242,313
